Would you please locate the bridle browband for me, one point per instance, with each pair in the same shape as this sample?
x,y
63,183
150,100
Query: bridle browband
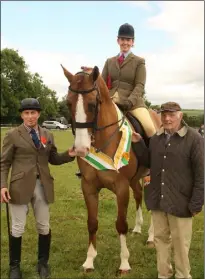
x,y
93,124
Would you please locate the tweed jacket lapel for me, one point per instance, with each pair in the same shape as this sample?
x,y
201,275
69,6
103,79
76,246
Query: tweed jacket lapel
x,y
117,62
127,60
25,135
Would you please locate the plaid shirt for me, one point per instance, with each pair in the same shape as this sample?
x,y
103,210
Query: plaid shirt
x,y
29,131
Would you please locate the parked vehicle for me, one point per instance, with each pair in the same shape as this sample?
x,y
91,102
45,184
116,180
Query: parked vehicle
x,y
54,125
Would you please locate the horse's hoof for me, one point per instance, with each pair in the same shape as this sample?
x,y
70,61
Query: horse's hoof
x,y
88,270
150,244
132,231
122,272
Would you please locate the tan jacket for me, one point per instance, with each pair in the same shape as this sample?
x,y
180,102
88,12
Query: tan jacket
x,y
20,153
128,79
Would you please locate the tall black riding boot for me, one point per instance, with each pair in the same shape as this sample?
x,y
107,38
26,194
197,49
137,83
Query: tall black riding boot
x,y
141,152
43,255
15,257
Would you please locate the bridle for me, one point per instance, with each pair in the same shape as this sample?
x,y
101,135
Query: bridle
x,y
93,124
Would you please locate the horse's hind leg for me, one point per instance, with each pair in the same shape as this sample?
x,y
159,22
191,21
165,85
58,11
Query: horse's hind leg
x,y
122,193
91,199
137,193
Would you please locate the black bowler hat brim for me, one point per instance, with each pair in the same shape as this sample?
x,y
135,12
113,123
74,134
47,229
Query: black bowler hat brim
x,y
29,108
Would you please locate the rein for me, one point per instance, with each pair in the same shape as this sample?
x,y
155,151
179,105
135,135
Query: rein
x,y
93,124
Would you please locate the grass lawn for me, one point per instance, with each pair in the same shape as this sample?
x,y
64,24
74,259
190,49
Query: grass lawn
x,y
193,112
70,237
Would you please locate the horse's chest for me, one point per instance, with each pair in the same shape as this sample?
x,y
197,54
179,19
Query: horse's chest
x,y
107,178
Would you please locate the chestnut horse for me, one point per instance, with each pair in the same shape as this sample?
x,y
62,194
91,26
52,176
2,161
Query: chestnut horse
x,y
95,123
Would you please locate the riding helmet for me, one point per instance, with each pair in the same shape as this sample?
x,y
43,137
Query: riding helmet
x,y
126,31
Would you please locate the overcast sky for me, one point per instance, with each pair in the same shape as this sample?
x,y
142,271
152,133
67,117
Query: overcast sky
x,y
169,35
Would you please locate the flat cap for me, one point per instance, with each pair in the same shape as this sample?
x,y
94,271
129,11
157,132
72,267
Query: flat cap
x,y
170,106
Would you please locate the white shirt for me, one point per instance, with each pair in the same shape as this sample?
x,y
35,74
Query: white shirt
x,y
125,53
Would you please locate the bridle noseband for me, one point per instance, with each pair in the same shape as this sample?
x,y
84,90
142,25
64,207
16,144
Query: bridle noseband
x,y
93,124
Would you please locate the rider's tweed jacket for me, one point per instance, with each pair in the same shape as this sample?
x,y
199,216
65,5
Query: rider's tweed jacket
x,y
177,173
128,79
20,153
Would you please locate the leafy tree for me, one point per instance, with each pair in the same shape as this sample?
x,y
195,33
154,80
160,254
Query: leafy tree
x,y
63,109
18,83
15,80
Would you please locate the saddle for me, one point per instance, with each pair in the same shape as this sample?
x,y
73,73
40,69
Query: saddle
x,y
138,128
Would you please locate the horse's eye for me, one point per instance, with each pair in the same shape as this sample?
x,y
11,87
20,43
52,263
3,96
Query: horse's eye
x,y
91,107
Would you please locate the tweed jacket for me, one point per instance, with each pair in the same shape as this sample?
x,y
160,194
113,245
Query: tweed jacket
x,y
127,80
177,173
26,162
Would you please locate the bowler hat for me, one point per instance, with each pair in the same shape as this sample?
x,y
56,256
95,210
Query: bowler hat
x,y
30,104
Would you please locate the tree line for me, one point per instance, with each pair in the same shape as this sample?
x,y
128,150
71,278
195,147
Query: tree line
x,y
17,83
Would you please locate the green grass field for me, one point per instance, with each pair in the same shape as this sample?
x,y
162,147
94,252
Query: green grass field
x,y
193,112
70,237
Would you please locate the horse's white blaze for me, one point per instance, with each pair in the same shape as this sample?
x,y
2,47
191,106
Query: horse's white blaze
x,y
124,254
151,231
91,254
138,221
82,138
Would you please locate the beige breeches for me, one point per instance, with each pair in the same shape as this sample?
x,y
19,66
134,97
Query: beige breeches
x,y
41,213
142,114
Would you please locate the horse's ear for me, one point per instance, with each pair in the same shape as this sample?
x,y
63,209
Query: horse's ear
x,y
67,74
95,73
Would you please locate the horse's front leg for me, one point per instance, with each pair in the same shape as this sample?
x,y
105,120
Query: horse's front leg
x,y
91,199
122,193
137,192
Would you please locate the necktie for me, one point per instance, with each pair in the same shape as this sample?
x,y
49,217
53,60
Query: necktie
x,y
35,138
167,138
121,58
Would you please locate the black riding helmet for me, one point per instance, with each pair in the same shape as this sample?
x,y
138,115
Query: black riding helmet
x,y
30,104
126,31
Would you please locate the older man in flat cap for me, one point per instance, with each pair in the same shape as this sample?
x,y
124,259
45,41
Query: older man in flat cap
x,y
176,191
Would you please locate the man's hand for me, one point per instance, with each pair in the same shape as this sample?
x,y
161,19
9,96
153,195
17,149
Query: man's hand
x,y
5,197
136,137
146,181
71,152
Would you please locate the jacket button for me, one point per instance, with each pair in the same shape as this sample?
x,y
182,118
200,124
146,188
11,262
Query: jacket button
x,y
162,196
169,144
163,170
165,157
162,183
